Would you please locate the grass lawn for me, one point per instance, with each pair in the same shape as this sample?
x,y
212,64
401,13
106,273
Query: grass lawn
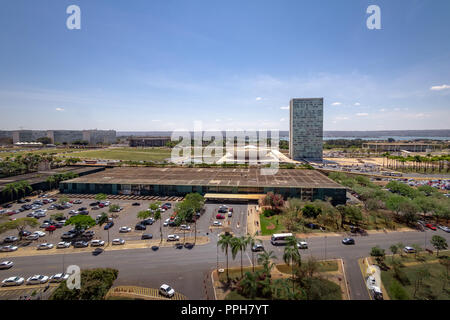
x,y
125,154
432,287
9,153
271,225
324,266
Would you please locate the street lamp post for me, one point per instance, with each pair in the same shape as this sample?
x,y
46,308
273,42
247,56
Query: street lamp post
x,y
217,245
325,247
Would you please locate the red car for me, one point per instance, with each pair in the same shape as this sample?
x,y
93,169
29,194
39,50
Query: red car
x,y
101,205
50,228
219,216
429,225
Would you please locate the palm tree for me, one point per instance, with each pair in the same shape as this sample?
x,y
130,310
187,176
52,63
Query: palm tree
x,y
265,259
291,256
11,189
239,244
155,210
224,242
249,285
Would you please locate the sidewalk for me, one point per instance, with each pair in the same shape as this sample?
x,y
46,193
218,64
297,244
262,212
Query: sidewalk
x,y
253,225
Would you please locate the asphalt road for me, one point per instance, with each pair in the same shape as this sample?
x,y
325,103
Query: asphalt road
x,y
188,270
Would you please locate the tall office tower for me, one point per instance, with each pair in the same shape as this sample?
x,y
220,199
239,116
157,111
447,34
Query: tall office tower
x,y
306,129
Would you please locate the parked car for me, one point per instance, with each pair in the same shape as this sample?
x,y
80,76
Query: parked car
x,y
77,201
348,241
6,265
217,223
92,204
140,226
24,233
32,237
136,204
97,243
13,281
37,279
444,228
89,233
166,222
166,291
124,229
302,245
147,236
148,221
59,277
220,216
118,242
430,226
50,228
173,237
258,247
40,233
81,244
409,250
10,239
108,225
185,227
63,245
44,246
68,236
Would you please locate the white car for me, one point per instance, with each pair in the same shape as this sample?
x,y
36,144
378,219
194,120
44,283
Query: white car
x,y
59,277
105,203
409,250
40,233
173,237
97,243
166,222
63,245
124,229
33,236
166,291
185,227
302,245
6,265
77,201
444,228
13,281
8,248
118,241
44,246
217,223
37,279
73,212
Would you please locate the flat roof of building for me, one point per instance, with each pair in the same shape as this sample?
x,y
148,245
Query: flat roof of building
x,y
233,177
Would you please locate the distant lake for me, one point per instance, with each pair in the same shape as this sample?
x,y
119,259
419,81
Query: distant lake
x,y
396,138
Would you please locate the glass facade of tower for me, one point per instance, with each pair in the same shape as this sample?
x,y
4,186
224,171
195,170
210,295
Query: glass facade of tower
x,y
306,129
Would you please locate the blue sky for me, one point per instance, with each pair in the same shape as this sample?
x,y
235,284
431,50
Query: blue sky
x,y
163,64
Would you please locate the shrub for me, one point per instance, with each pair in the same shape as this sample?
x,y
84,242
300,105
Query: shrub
x,y
397,292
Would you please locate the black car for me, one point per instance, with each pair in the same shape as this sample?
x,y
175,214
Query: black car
x,y
83,212
59,225
21,201
257,248
136,204
348,241
24,233
147,222
10,239
26,207
108,225
97,251
312,226
168,205
60,218
140,226
223,210
147,236
8,205
80,244
92,204
82,209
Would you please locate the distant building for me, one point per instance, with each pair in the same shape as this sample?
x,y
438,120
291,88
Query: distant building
x,y
66,136
400,146
306,129
148,141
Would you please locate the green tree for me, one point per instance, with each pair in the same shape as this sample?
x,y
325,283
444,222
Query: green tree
x,y
225,242
439,243
102,220
18,224
394,249
80,222
397,292
101,197
239,244
394,201
291,256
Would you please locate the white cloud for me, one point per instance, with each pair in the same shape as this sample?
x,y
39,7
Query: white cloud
x,y
156,120
284,108
258,98
283,119
439,88
357,104
383,110
362,114
59,109
335,104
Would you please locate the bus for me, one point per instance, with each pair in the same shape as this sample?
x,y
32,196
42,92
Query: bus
x,y
280,238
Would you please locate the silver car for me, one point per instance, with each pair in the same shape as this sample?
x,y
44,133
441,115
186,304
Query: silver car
x,y
8,248
6,265
44,246
12,281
